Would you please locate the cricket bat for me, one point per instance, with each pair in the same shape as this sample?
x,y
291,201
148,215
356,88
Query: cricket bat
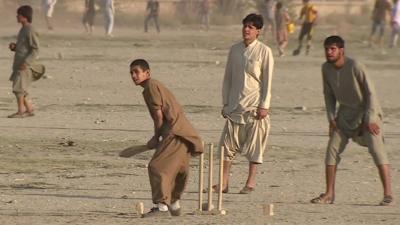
x,y
134,150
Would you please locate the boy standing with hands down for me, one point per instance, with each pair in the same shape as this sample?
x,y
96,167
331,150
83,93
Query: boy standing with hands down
x,y
175,141
26,52
246,97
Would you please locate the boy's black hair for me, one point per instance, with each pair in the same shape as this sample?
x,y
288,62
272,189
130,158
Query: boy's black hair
x,y
334,40
279,5
26,11
255,19
143,64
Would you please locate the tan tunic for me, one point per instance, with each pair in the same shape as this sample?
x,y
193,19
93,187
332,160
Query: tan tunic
x,y
351,88
27,49
247,81
169,166
157,96
355,93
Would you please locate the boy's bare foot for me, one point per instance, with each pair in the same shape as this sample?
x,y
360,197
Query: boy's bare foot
x,y
16,115
215,189
246,190
28,114
21,114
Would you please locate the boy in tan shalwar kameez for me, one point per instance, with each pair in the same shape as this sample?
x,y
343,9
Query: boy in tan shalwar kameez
x,y
358,116
175,141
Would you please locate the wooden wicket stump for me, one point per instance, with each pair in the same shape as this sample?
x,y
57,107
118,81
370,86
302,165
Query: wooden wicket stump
x,y
208,207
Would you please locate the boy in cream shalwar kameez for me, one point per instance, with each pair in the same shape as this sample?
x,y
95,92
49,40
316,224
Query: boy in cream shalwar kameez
x,y
358,116
246,95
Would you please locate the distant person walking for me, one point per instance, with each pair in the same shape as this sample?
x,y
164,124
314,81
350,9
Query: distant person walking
x,y
205,14
269,18
109,11
310,14
282,19
395,24
153,9
89,15
382,9
48,8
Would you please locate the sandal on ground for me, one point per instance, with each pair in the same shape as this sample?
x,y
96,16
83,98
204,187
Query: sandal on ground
x,y
16,115
387,200
246,190
322,200
215,189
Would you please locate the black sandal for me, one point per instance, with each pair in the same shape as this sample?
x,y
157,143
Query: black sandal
x,y
320,200
387,200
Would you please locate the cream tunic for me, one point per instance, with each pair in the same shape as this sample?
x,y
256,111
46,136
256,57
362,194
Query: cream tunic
x,y
247,81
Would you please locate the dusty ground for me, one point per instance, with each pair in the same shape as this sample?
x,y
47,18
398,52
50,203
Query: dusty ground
x,y
89,99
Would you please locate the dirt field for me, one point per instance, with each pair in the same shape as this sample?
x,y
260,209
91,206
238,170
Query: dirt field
x,y
89,99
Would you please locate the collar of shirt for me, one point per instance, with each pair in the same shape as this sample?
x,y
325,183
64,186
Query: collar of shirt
x,y
251,45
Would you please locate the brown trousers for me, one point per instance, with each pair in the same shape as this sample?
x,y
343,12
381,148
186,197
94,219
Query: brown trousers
x,y
169,170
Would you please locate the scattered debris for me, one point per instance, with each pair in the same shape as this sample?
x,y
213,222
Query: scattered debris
x,y
67,143
141,165
74,176
302,108
98,121
47,77
60,56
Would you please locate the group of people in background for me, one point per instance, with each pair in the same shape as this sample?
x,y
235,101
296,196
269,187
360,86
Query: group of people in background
x,y
152,14
384,9
278,23
89,14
